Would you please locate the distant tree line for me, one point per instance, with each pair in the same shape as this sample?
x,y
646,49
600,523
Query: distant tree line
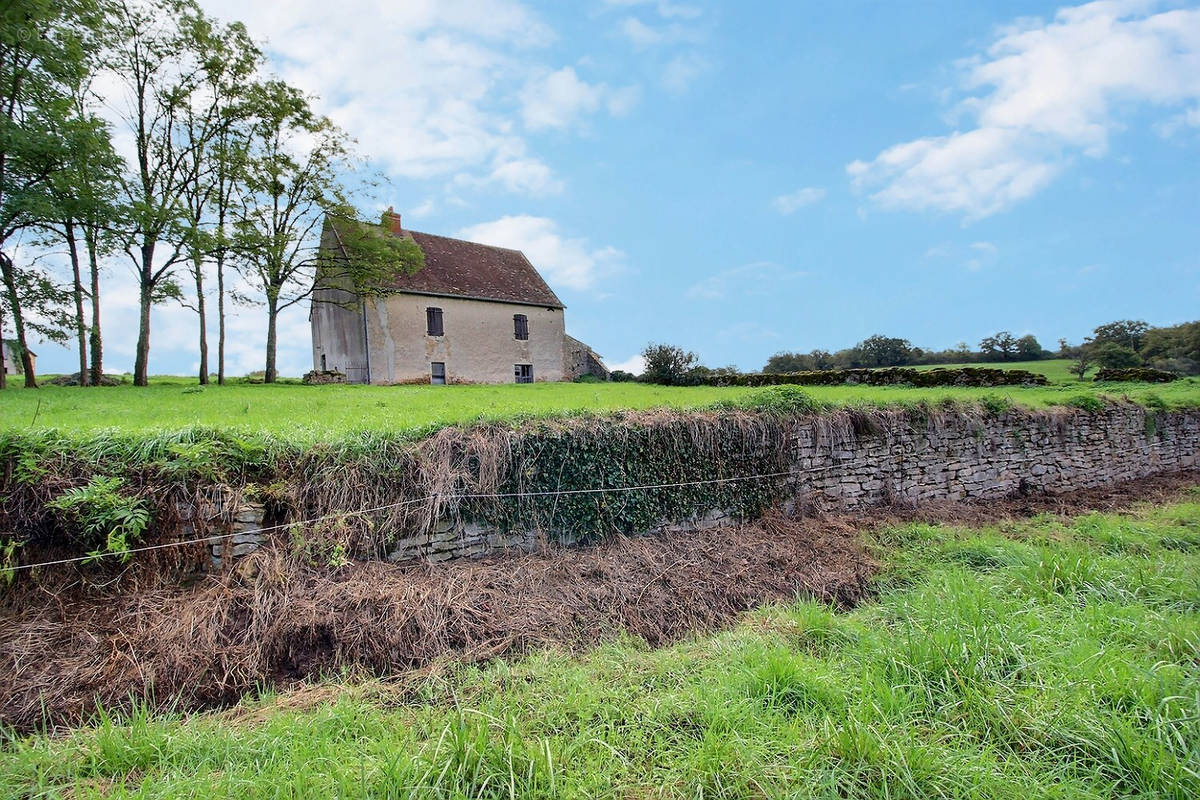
x,y
1120,344
891,351
145,132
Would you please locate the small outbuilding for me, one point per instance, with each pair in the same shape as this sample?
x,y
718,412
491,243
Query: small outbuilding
x,y
11,351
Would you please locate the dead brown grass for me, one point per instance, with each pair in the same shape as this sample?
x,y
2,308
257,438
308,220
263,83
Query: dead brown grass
x,y
64,648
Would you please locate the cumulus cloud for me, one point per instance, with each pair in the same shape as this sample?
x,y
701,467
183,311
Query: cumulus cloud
x,y
427,88
635,365
558,99
1040,95
791,203
565,261
759,277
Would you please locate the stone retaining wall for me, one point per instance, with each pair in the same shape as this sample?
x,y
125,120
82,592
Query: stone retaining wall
x,y
944,457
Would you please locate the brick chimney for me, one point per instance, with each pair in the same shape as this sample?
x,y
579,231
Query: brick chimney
x,y
391,220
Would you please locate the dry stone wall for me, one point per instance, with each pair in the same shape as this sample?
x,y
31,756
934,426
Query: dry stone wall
x,y
901,458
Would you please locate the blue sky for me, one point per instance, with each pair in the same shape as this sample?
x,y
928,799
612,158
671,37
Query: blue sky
x,y
746,178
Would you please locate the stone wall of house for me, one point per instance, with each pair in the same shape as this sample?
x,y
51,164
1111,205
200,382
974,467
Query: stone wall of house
x,y
948,457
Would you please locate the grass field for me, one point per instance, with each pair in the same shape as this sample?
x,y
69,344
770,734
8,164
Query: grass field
x,y
1039,659
309,413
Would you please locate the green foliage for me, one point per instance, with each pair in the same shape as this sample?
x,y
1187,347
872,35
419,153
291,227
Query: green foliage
x,y
668,365
588,377
101,517
1114,356
960,376
1139,374
1087,402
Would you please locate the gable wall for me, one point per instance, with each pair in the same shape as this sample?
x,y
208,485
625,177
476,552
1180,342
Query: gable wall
x,y
478,345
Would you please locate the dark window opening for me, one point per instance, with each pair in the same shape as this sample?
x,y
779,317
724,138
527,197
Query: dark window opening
x,y
323,367
433,322
523,373
437,372
521,326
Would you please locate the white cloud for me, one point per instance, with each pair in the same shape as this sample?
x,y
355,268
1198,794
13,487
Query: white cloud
x,y
682,71
634,364
426,87
570,262
982,254
791,203
757,278
666,9
1043,92
558,99
639,33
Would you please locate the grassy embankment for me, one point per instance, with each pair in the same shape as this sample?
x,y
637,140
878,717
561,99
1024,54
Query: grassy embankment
x,y
1036,659
310,413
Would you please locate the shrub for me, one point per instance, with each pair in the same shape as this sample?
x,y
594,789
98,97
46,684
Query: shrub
x,y
668,364
109,520
621,376
1143,374
588,377
1115,356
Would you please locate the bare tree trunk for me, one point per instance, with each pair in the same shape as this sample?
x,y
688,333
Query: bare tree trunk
x,y
272,315
10,287
97,347
3,370
77,293
141,362
220,318
198,274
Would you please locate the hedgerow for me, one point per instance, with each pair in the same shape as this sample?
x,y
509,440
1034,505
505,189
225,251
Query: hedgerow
x,y
963,376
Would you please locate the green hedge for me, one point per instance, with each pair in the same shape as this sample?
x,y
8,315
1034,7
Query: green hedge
x,y
1144,374
963,376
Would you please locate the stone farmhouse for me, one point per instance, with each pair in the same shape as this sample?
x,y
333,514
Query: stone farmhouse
x,y
473,314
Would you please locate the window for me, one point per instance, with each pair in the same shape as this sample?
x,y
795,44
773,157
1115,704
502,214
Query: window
x,y
437,372
323,367
521,326
523,373
433,322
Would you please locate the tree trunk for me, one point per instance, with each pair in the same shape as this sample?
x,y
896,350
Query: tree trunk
x,y
220,318
97,347
77,292
198,274
3,371
272,314
10,287
141,362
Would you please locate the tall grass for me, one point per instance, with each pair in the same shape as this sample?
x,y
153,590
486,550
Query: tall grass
x,y
1044,659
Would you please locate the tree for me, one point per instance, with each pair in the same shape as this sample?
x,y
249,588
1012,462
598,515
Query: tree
x,y
1082,363
215,161
789,362
1028,348
1125,332
885,351
1114,356
161,56
667,364
35,56
1001,346
295,163
83,197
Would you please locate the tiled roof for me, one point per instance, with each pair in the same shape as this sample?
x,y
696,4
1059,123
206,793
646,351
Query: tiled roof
x,y
457,268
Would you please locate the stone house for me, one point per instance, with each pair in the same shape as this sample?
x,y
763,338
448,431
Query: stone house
x,y
474,313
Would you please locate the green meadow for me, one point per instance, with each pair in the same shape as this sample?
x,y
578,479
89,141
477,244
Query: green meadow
x,y
308,413
1047,658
